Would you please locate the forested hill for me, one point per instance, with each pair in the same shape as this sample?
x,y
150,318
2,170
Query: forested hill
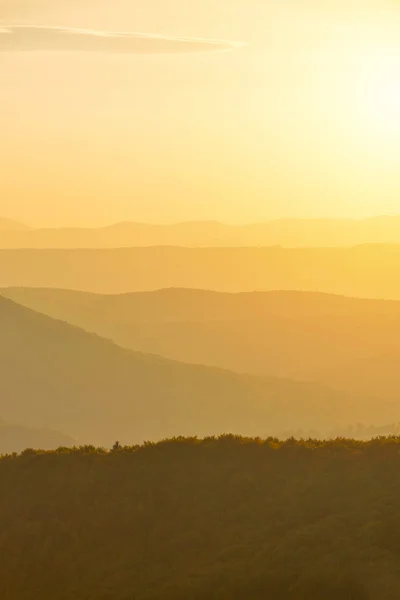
x,y
228,518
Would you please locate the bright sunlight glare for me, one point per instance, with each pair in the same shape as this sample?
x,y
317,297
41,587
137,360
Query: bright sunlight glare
x,y
377,96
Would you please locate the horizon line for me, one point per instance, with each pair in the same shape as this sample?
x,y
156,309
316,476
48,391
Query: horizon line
x,y
159,224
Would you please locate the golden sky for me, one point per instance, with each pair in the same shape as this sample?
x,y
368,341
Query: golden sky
x,y
303,121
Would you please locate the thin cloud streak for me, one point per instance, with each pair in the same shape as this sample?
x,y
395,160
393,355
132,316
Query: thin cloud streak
x,y
50,39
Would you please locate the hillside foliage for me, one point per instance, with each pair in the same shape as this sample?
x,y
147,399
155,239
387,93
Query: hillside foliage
x,y
220,518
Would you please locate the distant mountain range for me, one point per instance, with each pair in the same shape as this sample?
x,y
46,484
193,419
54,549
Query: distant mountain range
x,y
363,271
283,232
57,376
345,343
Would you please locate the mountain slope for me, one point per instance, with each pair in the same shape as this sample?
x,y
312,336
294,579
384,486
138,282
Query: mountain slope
x,y
11,229
296,335
58,376
364,271
15,438
377,375
196,305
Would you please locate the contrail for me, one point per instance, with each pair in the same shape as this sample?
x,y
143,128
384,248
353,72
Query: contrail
x,y
51,39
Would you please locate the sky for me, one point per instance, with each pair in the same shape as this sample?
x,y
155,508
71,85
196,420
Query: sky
x,y
235,110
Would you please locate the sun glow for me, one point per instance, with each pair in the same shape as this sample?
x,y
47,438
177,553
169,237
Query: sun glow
x,y
378,92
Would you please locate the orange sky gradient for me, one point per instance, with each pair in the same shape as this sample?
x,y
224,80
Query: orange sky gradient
x,y
302,121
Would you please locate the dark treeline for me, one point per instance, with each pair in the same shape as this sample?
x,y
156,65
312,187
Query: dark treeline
x,y
221,518
358,431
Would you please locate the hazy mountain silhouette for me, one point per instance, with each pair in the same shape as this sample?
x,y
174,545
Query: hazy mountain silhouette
x,y
11,227
377,374
196,305
285,232
58,376
363,271
344,342
15,438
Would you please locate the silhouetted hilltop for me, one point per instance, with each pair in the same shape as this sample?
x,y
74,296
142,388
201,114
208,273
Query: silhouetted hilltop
x,y
363,271
174,305
55,375
283,232
346,343
11,227
15,438
236,518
